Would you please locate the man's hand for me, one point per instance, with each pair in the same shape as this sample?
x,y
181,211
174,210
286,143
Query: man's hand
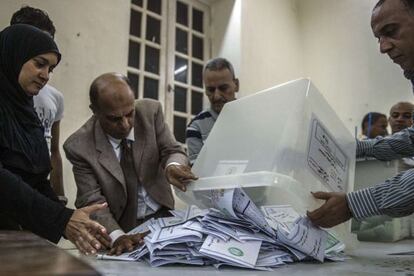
x,y
333,212
179,176
82,231
104,239
127,243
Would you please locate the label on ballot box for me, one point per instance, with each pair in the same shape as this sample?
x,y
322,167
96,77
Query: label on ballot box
x,y
325,158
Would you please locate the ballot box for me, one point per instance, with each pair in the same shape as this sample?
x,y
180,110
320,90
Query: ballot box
x,y
368,172
278,145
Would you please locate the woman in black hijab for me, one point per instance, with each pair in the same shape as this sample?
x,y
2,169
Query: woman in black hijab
x,y
27,57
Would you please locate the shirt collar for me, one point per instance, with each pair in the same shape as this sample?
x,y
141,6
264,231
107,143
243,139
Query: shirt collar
x,y
116,142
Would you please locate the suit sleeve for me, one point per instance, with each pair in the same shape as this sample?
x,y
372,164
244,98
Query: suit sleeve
x,y
89,190
170,150
31,209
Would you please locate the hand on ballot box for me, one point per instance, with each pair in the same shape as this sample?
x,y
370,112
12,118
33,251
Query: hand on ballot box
x,y
334,211
88,235
179,176
127,243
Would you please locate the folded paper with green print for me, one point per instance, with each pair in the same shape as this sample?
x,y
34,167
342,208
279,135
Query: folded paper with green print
x,y
232,251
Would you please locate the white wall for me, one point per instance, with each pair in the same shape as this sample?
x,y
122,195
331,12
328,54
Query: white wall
x,y
225,31
261,39
271,44
93,38
341,56
329,41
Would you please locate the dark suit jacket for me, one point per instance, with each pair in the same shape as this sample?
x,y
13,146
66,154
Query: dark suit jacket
x,y
99,176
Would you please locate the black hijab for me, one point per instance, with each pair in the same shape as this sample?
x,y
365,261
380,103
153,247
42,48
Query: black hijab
x,y
22,143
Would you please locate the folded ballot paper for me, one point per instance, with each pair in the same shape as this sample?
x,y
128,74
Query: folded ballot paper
x,y
235,233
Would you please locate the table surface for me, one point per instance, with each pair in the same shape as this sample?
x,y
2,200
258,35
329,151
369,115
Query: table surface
x,y
24,253
368,258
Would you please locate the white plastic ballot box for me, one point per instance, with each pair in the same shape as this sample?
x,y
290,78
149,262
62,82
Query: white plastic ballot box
x,y
278,145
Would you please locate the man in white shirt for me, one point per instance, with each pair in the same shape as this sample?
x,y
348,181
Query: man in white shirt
x,y
49,108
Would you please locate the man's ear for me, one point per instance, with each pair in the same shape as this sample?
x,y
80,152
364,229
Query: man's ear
x,y
236,82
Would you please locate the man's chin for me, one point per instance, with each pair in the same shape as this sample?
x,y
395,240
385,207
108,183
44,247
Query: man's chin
x,y
398,129
120,135
217,109
407,66
409,73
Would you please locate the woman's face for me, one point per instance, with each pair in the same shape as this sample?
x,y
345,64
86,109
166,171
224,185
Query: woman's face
x,y
35,73
379,128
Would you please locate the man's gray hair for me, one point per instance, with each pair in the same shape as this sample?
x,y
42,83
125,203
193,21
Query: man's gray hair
x,y
217,64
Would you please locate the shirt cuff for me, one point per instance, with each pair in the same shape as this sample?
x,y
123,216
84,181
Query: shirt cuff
x,y
114,235
365,148
362,204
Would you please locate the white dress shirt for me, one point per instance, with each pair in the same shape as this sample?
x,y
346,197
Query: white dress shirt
x,y
146,205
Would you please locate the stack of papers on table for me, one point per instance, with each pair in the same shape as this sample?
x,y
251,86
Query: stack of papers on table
x,y
234,233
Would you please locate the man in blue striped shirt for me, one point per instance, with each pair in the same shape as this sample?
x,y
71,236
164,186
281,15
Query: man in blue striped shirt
x,y
221,86
392,22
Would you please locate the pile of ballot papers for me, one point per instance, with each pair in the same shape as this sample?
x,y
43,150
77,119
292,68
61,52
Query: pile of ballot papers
x,y
234,233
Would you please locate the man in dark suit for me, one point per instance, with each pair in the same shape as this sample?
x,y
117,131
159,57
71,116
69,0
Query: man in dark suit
x,y
97,150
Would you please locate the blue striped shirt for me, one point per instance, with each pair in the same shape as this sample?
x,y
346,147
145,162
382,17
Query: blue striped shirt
x,y
198,131
394,197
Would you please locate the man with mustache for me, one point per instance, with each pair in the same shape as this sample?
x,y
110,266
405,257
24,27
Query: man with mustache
x,y
221,87
392,23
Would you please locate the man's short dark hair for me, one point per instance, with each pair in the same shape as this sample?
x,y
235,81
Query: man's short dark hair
x,y
408,3
95,87
217,64
35,17
371,117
